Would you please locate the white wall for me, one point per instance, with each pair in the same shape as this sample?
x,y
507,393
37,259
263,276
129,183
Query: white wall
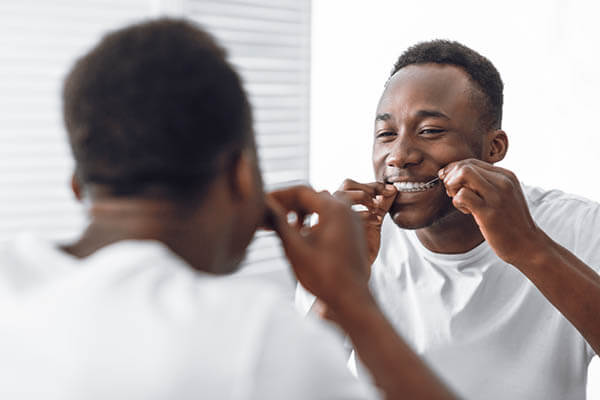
x,y
546,52
267,41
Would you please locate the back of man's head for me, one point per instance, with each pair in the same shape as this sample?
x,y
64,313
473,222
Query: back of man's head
x,y
154,104
480,70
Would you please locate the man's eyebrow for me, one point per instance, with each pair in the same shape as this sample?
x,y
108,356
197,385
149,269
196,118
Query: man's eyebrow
x,y
431,113
382,117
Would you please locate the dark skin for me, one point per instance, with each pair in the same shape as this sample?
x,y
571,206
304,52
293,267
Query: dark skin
x,y
493,196
181,224
425,120
429,123
330,259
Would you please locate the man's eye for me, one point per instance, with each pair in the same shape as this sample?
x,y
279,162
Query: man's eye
x,y
386,134
431,131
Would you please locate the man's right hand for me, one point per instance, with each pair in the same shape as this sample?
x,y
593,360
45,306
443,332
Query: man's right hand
x,y
377,197
329,258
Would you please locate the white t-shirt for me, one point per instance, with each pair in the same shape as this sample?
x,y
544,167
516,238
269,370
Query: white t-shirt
x,y
133,321
478,321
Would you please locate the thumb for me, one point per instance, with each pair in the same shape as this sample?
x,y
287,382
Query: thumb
x,y
386,201
467,201
291,239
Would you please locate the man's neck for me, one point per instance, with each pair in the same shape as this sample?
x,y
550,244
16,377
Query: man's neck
x,y
454,233
115,220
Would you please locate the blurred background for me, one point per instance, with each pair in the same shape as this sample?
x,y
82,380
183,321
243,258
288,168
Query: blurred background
x,y
314,72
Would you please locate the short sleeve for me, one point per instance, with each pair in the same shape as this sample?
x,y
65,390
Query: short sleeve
x,y
570,220
587,247
588,244
574,222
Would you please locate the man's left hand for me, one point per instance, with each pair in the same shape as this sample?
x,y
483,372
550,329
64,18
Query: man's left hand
x,y
493,196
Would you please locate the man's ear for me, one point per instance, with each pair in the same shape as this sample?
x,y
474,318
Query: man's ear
x,y
76,187
495,146
244,175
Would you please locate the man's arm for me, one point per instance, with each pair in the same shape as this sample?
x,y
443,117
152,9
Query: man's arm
x,y
376,198
494,197
330,260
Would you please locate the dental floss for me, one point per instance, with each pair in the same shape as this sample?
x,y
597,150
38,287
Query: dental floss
x,y
421,187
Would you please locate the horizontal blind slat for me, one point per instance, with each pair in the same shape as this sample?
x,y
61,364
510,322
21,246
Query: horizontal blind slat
x,y
267,40
40,41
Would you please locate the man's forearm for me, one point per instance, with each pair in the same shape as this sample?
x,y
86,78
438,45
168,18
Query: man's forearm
x,y
569,284
397,370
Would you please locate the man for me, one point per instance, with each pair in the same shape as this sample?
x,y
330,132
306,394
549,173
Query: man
x,y
474,270
136,307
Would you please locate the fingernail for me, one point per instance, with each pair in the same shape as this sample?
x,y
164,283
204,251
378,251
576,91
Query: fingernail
x,y
389,189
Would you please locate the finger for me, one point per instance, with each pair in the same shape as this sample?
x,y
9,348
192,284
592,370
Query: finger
x,y
357,197
470,176
468,202
370,218
372,188
502,182
385,189
300,199
385,202
292,240
270,217
460,163
485,166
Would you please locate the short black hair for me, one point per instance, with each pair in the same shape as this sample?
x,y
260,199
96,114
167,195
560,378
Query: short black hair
x,y
481,71
155,103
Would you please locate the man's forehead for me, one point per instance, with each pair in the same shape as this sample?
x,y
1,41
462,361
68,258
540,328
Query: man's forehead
x,y
421,113
430,71
428,86
431,78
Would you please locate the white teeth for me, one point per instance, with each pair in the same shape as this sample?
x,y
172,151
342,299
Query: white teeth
x,y
414,186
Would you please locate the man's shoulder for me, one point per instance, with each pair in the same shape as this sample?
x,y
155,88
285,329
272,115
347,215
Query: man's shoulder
x,y
26,259
537,197
559,208
571,220
128,276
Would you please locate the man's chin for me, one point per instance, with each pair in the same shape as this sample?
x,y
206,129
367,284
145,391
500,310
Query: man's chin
x,y
413,221
410,223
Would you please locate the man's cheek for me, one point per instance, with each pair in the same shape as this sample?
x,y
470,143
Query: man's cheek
x,y
378,165
379,173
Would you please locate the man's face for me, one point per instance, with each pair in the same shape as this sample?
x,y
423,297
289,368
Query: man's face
x,y
426,118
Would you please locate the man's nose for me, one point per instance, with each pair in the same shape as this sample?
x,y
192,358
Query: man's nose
x,y
404,153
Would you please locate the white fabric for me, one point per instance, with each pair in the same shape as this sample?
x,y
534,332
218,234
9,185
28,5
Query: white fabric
x,y
133,321
478,322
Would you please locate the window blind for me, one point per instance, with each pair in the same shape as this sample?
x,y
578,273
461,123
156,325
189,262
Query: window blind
x,y
268,41
40,40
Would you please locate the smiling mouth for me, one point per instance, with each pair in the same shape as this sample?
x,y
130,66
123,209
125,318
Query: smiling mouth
x,y
405,187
